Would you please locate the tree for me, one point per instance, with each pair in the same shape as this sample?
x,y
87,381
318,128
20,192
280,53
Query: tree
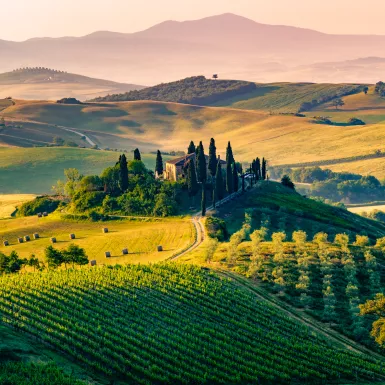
x,y
137,155
212,158
201,164
338,103
75,255
53,257
219,182
286,181
229,179
123,173
165,205
73,178
229,154
366,89
203,200
34,262
258,169
11,264
191,148
110,179
235,178
192,182
159,164
376,308
211,247
263,170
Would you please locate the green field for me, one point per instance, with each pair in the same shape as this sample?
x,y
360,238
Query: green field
x,y
148,324
140,236
36,170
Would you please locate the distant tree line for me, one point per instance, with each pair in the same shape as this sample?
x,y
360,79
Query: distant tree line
x,y
193,90
380,89
38,69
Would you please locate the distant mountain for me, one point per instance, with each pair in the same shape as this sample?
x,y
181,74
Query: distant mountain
x,y
50,84
230,45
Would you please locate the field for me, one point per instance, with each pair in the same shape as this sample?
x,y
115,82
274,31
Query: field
x,y
9,202
36,170
141,237
147,325
361,209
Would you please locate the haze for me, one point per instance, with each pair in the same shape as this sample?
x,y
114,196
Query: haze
x,y
24,19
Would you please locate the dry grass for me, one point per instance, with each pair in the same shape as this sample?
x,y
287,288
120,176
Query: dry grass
x,y
140,237
9,203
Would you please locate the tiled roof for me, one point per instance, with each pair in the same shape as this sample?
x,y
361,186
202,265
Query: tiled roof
x,y
183,159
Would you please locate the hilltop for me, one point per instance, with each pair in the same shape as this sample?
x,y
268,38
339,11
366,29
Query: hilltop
x,y
50,84
228,44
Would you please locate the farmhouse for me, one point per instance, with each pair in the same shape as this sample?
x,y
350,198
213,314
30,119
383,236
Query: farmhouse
x,y
176,168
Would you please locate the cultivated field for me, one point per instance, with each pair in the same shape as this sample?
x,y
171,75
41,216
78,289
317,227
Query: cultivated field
x,y
36,170
9,202
141,237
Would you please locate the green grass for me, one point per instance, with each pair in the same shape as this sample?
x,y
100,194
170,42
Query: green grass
x,y
149,324
288,211
36,170
141,237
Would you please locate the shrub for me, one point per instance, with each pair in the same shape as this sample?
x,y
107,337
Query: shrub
x,y
356,122
39,205
216,228
83,201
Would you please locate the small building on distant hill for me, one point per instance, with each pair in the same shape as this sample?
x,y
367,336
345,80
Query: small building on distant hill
x,y
176,169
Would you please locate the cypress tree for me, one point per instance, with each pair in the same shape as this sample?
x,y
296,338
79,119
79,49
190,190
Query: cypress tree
x,y
263,171
212,157
243,182
219,182
235,178
192,183
123,173
229,179
191,148
254,169
258,169
159,163
201,164
229,154
137,155
203,200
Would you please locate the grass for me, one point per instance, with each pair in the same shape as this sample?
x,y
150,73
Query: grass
x,y
9,203
36,170
280,209
141,237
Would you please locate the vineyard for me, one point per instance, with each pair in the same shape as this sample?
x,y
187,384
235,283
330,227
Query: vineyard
x,y
172,323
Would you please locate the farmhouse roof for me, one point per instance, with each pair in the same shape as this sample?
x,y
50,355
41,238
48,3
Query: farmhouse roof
x,y
183,159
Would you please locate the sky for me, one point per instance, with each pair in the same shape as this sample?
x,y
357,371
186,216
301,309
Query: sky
x,y
24,19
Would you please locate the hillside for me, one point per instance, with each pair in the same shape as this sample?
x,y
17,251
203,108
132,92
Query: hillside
x,y
48,84
36,170
284,210
201,314
235,47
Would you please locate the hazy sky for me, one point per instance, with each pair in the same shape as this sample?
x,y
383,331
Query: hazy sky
x,y
23,19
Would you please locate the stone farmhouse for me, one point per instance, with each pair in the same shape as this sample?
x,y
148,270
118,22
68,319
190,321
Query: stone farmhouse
x,y
175,169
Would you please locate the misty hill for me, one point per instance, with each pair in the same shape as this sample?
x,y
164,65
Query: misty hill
x,y
230,45
46,83
193,90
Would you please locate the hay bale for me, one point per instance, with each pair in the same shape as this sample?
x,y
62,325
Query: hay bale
x,y
36,236
39,215
45,214
160,248
27,238
107,254
125,251
20,240
53,240
105,230
93,262
6,243
72,236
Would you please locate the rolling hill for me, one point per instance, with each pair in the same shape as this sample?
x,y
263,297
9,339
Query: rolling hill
x,y
48,84
185,312
231,45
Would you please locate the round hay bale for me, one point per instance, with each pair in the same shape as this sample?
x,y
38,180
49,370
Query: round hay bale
x,y
27,238
20,240
72,236
125,251
45,214
6,243
36,236
107,254
53,240
93,262
39,215
105,230
160,248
